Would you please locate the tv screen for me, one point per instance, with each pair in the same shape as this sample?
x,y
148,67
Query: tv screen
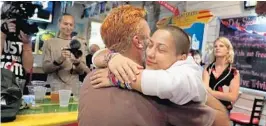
x,y
45,13
248,4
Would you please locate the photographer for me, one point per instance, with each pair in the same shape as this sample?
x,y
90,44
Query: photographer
x,y
61,64
16,51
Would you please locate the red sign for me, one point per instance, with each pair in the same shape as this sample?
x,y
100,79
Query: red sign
x,y
169,7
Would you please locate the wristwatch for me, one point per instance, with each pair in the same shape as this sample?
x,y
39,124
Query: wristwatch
x,y
56,63
76,64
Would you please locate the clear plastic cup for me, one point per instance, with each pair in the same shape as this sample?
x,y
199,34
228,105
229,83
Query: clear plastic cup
x,y
75,91
64,97
39,93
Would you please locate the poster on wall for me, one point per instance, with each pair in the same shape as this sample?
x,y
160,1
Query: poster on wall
x,y
192,22
248,37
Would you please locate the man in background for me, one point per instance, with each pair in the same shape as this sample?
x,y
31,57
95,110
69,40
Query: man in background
x,y
62,67
93,48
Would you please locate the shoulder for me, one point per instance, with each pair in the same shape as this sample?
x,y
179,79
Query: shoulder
x,y
235,71
48,42
209,66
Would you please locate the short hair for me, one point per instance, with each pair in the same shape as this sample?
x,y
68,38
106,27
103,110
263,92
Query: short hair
x,y
120,26
230,56
64,14
194,52
180,37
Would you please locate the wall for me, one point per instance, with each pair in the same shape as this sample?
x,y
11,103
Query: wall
x,y
225,9
77,10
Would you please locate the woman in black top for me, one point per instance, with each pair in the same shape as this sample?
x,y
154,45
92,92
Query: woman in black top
x,y
221,79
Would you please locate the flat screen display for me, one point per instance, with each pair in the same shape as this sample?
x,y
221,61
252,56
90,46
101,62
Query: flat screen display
x,y
45,13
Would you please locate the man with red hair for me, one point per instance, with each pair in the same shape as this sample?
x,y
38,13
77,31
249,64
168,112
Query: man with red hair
x,y
125,31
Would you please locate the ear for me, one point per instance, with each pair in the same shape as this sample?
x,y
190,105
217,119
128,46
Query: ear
x,y
137,43
182,57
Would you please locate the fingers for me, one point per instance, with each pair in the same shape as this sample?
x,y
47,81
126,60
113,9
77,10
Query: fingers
x,y
93,77
11,27
117,75
122,72
65,53
100,85
10,20
96,74
24,37
134,67
96,81
129,71
23,34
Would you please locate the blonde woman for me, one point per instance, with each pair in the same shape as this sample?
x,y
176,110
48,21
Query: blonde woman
x,y
221,79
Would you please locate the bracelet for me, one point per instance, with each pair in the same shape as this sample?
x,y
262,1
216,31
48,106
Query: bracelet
x,y
56,63
109,56
112,78
117,83
128,86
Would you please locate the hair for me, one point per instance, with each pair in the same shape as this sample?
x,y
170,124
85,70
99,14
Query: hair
x,y
180,37
64,14
120,26
228,45
194,52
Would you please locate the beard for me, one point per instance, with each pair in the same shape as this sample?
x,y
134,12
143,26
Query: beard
x,y
144,54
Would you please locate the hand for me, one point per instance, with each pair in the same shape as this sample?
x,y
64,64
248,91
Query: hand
x,y
24,38
209,90
64,55
11,27
124,68
99,78
73,59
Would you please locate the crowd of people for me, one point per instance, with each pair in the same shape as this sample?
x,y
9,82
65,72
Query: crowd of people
x,y
140,79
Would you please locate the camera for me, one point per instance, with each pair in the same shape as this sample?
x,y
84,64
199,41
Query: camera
x,y
75,48
21,12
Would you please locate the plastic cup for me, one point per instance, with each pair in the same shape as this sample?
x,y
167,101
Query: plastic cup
x,y
55,92
39,92
75,91
64,97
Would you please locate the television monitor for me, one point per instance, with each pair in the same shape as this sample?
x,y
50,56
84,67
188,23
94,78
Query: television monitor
x,y
248,4
45,14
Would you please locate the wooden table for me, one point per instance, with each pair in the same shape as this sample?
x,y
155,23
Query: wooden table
x,y
46,114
